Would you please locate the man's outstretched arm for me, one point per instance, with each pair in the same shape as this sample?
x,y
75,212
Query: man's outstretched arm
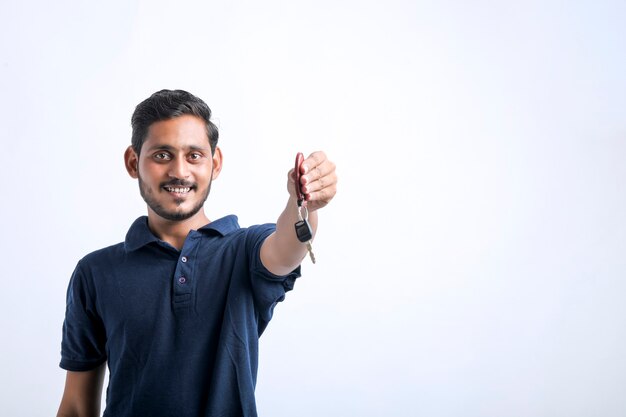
x,y
282,252
82,394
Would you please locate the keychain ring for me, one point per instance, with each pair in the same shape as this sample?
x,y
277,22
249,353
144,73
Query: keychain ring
x,y
306,212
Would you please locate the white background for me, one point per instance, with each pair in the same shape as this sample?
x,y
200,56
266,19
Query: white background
x,y
473,262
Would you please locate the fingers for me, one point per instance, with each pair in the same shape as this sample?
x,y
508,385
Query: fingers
x,y
319,179
315,159
320,198
316,166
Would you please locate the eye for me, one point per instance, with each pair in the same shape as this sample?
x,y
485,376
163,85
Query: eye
x,y
195,156
162,156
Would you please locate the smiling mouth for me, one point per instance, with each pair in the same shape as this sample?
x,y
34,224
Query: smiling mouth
x,y
177,190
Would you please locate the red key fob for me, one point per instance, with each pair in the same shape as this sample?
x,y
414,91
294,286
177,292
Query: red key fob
x,y
298,175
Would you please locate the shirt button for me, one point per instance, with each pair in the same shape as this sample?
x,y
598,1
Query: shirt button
x,y
184,259
182,280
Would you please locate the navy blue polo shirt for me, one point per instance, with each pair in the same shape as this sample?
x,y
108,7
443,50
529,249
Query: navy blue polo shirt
x,y
179,329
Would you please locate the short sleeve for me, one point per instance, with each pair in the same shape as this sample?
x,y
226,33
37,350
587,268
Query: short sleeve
x,y
268,288
84,339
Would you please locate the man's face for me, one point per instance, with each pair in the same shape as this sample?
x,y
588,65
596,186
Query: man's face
x,y
175,167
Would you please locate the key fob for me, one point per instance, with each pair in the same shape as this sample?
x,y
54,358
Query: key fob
x,y
303,231
299,193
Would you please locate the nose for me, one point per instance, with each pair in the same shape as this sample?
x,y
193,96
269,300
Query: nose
x,y
179,169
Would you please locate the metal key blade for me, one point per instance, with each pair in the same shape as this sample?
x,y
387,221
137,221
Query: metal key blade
x,y
309,247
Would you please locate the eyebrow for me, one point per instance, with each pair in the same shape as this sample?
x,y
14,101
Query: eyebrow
x,y
170,148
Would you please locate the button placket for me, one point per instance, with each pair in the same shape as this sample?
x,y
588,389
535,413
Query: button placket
x,y
182,275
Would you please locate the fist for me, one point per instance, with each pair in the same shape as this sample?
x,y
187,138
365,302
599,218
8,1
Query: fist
x,y
318,181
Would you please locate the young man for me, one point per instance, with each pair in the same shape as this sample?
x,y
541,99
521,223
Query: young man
x,y
176,309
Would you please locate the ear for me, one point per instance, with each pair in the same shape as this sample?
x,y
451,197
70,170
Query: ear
x,y
217,162
131,161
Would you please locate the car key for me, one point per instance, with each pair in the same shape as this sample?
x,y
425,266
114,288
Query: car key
x,y
304,233
303,228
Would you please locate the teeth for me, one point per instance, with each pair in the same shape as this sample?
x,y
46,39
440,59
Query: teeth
x,y
178,190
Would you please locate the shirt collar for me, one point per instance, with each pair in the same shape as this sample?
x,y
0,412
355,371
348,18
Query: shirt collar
x,y
140,235
223,226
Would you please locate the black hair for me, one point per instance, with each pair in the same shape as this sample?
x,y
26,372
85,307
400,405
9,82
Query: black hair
x,y
165,105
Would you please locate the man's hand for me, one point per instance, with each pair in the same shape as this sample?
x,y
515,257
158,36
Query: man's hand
x,y
282,251
318,180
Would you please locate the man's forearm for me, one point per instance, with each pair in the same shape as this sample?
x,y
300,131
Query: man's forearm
x,y
82,394
283,252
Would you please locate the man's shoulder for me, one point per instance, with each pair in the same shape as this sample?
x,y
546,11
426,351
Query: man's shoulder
x,y
228,227
251,234
105,255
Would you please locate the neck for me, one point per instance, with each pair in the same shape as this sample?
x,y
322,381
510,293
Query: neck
x,y
175,232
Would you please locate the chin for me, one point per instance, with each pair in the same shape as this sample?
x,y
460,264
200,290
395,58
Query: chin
x,y
177,214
